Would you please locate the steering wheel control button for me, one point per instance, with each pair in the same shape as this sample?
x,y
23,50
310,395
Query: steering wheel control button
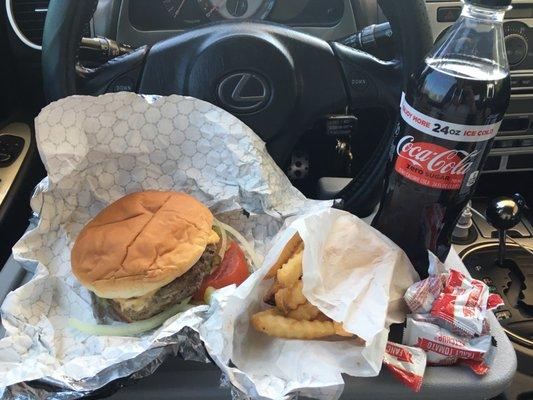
x,y
341,125
10,148
122,84
359,83
244,92
362,88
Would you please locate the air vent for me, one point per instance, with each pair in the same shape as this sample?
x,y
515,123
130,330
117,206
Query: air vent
x,y
27,18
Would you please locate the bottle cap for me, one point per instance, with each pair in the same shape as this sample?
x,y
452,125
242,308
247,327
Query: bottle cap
x,y
490,3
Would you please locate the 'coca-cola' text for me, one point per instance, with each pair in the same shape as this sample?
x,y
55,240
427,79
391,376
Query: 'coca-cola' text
x,y
432,165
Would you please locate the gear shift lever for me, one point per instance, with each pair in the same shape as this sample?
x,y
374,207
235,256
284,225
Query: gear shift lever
x,y
504,213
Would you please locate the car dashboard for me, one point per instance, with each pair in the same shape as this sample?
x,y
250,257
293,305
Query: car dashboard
x,y
145,22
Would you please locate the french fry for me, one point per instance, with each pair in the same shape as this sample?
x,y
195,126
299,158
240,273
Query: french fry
x,y
305,312
291,271
273,324
290,298
279,300
339,330
288,252
322,317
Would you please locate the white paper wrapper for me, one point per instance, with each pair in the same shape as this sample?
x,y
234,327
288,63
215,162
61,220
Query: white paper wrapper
x,y
352,273
96,150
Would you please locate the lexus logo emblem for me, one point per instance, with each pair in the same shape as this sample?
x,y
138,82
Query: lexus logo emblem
x,y
244,92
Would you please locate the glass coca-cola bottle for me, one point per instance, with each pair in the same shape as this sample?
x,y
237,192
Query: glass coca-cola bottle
x,y
450,112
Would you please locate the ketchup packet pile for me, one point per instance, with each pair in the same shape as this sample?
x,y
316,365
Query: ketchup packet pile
x,y
406,363
450,323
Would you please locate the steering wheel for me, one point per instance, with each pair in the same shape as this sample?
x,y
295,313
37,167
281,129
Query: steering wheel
x,y
297,78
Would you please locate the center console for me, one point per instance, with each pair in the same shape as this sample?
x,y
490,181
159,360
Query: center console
x,y
495,242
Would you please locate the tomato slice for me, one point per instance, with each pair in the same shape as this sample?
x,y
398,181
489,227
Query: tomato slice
x,y
232,270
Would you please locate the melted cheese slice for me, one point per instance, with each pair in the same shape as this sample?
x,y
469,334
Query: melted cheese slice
x,y
137,303
213,238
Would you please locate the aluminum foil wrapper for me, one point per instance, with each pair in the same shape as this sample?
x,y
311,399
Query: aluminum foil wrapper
x,y
96,150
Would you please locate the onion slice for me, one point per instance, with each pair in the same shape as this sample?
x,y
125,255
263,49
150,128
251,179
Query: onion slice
x,y
133,328
248,248
223,242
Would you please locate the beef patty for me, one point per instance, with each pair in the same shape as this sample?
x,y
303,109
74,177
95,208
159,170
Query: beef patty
x,y
173,293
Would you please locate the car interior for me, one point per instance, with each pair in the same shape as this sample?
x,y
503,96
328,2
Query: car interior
x,y
319,81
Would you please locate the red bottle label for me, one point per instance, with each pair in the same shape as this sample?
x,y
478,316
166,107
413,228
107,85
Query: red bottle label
x,y
432,165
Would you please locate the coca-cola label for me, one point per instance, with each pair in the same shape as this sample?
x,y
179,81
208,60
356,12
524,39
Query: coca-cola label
x,y
432,165
446,130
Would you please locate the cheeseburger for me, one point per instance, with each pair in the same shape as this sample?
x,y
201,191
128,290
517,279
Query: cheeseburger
x,y
146,252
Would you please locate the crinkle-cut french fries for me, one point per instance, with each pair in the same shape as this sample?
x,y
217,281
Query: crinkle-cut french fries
x,y
305,312
291,271
290,298
290,248
294,316
273,324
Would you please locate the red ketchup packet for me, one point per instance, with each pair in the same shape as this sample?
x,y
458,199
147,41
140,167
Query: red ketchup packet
x,y
406,363
494,301
433,320
463,304
445,348
421,295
